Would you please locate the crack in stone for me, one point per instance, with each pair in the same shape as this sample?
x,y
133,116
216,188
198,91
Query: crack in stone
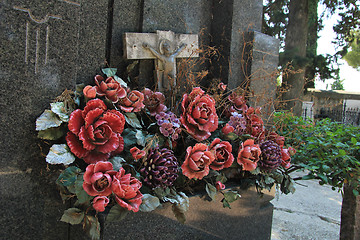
x,y
326,219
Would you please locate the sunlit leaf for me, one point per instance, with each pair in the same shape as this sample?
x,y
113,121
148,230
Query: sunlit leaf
x,y
60,154
47,119
149,203
59,109
109,72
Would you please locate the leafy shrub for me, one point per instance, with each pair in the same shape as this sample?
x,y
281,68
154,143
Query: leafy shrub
x,y
330,151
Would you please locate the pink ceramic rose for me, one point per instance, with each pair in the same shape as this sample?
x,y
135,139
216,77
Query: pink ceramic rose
x,y
222,152
249,155
199,114
127,190
98,179
197,161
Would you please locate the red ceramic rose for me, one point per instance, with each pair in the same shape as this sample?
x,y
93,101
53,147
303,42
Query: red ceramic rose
x,y
222,152
95,132
197,161
109,88
99,203
154,101
198,114
248,155
137,153
127,190
255,127
98,179
132,101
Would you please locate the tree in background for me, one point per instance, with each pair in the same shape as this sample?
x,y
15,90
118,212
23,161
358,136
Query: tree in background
x,y
296,24
352,57
337,85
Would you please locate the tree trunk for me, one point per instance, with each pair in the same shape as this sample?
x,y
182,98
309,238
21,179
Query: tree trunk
x,y
311,47
295,47
350,215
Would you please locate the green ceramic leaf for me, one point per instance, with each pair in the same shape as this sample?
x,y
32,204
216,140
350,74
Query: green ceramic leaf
x,y
78,189
231,196
60,154
59,109
149,203
132,120
117,213
72,216
47,119
68,176
119,80
51,133
92,227
211,191
109,72
117,162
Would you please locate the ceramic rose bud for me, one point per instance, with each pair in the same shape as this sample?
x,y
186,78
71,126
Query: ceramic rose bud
x,y
127,190
109,88
286,156
154,101
249,155
219,186
222,152
137,153
95,132
199,114
197,161
132,101
227,129
99,203
89,92
98,179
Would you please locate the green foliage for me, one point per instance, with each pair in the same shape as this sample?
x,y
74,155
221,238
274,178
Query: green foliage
x,y
211,191
117,213
68,176
352,57
337,85
328,150
73,216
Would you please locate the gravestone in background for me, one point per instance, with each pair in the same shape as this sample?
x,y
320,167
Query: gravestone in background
x,y
46,46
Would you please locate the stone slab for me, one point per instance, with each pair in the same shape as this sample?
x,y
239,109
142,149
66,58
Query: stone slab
x,y
263,72
249,218
45,47
232,19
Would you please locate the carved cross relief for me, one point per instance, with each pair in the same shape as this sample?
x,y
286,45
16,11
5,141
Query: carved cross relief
x,y
39,17
164,47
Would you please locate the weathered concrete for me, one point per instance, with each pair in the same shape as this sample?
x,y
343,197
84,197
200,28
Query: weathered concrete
x,y
312,212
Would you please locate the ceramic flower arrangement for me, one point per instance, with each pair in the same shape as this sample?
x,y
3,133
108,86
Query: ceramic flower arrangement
x,y
124,150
